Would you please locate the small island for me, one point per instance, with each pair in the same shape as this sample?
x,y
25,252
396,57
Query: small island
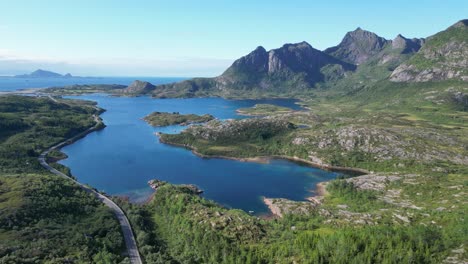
x,y
44,74
169,119
263,110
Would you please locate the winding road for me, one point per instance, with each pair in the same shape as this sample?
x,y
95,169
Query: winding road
x,y
130,243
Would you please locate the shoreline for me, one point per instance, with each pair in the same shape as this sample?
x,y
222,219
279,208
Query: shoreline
x,y
275,211
131,247
266,159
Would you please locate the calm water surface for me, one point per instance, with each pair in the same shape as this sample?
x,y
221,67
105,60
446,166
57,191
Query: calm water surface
x,y
121,158
12,84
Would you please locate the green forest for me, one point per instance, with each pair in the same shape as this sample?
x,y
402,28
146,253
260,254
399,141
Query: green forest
x,y
45,218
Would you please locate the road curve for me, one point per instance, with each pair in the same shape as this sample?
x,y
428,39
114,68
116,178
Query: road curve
x,y
130,243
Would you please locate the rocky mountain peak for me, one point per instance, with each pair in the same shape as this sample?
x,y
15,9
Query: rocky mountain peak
x,y
407,45
255,61
461,24
358,46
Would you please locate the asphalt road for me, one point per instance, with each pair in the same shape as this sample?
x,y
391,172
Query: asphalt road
x,y
130,243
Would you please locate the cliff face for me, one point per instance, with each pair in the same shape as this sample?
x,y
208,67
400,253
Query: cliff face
x,y
407,45
444,56
293,67
296,65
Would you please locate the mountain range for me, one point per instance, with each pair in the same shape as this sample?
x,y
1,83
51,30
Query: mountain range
x,y
361,57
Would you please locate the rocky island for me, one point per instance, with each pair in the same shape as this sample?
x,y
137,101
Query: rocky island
x,y
175,118
155,184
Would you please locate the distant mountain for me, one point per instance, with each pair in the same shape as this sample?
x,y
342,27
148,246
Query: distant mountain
x,y
444,56
44,74
358,46
292,67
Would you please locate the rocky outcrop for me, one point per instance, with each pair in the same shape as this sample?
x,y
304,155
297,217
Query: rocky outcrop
x,y
407,45
155,184
191,188
280,206
443,57
139,87
240,129
358,46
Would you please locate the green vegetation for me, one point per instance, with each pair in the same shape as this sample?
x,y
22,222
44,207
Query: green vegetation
x,y
45,218
79,89
30,125
263,110
416,133
49,219
412,137
169,119
180,226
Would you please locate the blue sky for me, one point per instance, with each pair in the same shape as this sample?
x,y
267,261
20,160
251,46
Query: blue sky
x,y
192,37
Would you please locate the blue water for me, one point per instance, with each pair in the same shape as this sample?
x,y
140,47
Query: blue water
x,y
12,84
121,158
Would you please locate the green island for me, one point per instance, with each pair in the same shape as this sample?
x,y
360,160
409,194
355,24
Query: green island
x,y
45,218
263,109
169,119
80,89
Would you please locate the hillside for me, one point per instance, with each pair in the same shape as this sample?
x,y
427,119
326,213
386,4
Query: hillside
x,y
444,56
45,218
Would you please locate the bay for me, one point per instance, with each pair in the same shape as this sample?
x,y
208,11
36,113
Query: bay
x,y
121,158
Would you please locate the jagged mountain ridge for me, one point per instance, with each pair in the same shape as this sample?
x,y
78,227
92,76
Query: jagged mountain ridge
x,y
298,63
361,59
358,46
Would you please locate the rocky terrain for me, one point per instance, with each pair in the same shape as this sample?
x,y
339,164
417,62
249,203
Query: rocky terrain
x,y
169,119
138,87
444,56
244,129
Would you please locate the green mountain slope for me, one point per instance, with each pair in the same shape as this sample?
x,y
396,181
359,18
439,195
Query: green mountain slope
x,y
444,56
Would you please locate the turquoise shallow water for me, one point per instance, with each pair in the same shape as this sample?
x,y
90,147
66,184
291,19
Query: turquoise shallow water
x,y
121,158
